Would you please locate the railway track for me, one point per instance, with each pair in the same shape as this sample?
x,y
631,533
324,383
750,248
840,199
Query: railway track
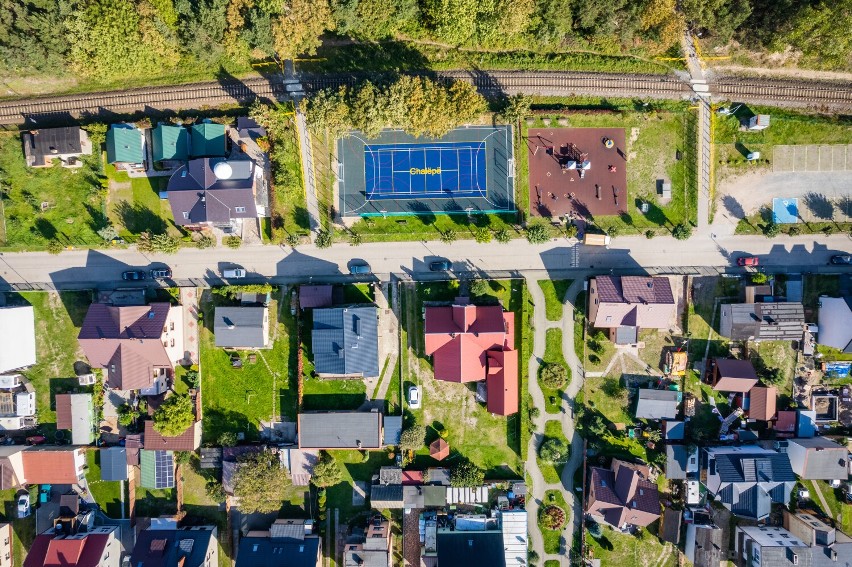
x,y
553,83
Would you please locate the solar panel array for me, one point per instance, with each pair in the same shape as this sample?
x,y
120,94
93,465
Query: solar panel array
x,y
164,467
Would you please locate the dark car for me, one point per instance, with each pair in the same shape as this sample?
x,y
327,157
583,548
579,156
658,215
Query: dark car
x,y
440,266
133,275
841,259
161,273
747,261
356,268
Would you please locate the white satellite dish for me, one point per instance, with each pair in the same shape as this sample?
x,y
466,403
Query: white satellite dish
x,y
223,170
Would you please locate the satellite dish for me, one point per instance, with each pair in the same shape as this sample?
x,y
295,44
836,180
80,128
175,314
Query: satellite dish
x,y
223,170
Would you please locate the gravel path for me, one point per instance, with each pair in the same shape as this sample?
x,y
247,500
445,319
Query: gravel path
x,y
539,486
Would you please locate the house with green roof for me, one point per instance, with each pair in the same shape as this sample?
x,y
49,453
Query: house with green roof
x,y
170,143
125,144
208,140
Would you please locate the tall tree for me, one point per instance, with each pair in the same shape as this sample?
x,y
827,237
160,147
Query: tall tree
x,y
720,17
823,33
33,35
326,472
297,31
452,21
174,416
261,483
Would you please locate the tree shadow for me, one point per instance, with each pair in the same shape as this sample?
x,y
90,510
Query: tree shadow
x,y
137,218
844,204
217,421
734,208
423,212
819,205
392,56
45,228
336,401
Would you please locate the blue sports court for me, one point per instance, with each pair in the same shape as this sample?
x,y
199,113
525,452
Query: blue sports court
x,y
430,171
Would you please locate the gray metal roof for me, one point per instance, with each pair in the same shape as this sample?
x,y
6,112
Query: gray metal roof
x,y
345,341
825,459
657,404
267,552
756,467
676,457
386,496
340,430
762,321
113,463
240,327
393,429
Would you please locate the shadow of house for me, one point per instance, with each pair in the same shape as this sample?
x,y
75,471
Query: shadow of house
x,y
304,267
100,271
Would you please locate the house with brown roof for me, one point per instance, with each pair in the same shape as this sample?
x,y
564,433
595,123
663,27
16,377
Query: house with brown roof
x,y
53,465
731,375
57,547
189,440
625,304
762,402
472,343
623,495
137,345
76,412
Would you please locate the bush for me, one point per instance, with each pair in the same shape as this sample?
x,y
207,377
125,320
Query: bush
x,y
215,491
233,241
537,234
553,450
503,236
612,231
649,234
108,233
192,378
482,235
595,529
165,244
552,517
771,229
553,376
448,236
174,415
758,278
205,241
55,247
293,240
466,474
413,438
794,231
228,439
571,231
323,239
682,231
479,288
355,238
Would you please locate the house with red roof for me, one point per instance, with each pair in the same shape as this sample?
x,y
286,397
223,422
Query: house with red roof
x,y
97,547
623,495
475,343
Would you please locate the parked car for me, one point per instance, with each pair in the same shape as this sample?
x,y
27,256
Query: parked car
x,y
841,259
356,268
44,493
234,273
440,266
23,505
747,261
133,275
36,440
414,397
161,273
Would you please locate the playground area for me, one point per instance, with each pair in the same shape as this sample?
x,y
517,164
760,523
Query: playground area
x,y
468,171
577,172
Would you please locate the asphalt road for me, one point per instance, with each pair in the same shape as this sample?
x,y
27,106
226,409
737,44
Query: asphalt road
x,y
701,254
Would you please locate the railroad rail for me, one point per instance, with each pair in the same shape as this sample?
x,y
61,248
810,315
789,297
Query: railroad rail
x,y
819,95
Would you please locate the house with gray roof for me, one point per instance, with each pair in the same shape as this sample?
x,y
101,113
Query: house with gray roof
x,y
242,327
828,544
213,192
769,546
622,303
782,321
748,479
835,322
676,462
287,543
704,546
167,545
345,342
44,145
657,404
340,430
818,458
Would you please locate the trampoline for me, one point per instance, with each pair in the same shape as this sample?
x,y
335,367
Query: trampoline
x,y
425,171
785,211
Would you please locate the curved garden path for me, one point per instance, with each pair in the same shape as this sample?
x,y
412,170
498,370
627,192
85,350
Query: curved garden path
x,y
566,486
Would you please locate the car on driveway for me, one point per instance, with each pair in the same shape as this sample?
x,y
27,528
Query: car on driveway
x,y
440,266
23,505
747,261
841,259
357,268
161,273
414,397
133,275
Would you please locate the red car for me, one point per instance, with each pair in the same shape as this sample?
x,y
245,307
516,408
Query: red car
x,y
747,261
36,440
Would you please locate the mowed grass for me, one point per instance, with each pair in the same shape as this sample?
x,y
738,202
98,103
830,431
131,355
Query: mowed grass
x,y
238,399
288,201
74,209
552,471
135,205
359,293
58,318
428,227
553,355
106,493
608,396
153,503
23,530
353,467
320,394
632,550
554,294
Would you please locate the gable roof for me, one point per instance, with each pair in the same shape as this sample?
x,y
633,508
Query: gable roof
x,y
170,142
126,341
113,463
657,404
754,467
835,322
197,194
208,140
459,335
241,327
17,337
734,375
75,412
50,466
157,468
502,382
634,301
172,548
311,296
762,321
386,496
50,551
45,144
762,402
824,459
345,341
271,552
186,441
463,549
340,430
124,144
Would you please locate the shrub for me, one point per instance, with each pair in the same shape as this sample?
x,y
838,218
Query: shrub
x,y
293,240
355,238
771,229
612,231
552,517
479,288
682,231
55,247
205,241
553,376
466,474
233,241
108,233
794,231
192,378
571,231
448,236
413,438
323,239
215,491
228,439
165,244
174,415
553,450
595,529
503,236
482,235
537,234
758,278
649,234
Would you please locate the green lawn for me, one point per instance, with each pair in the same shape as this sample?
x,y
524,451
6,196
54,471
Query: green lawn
x,y
289,214
608,396
24,531
654,135
58,317
393,397
320,394
74,209
428,227
580,325
839,509
153,503
135,205
524,329
780,355
359,293
552,538
637,550
550,470
106,493
554,294
238,399
553,355
353,468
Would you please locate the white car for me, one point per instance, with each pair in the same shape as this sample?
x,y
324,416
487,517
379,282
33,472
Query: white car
x,y
23,505
414,397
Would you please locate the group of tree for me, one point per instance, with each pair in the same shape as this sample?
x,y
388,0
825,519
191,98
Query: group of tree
x,y
175,415
418,105
260,482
